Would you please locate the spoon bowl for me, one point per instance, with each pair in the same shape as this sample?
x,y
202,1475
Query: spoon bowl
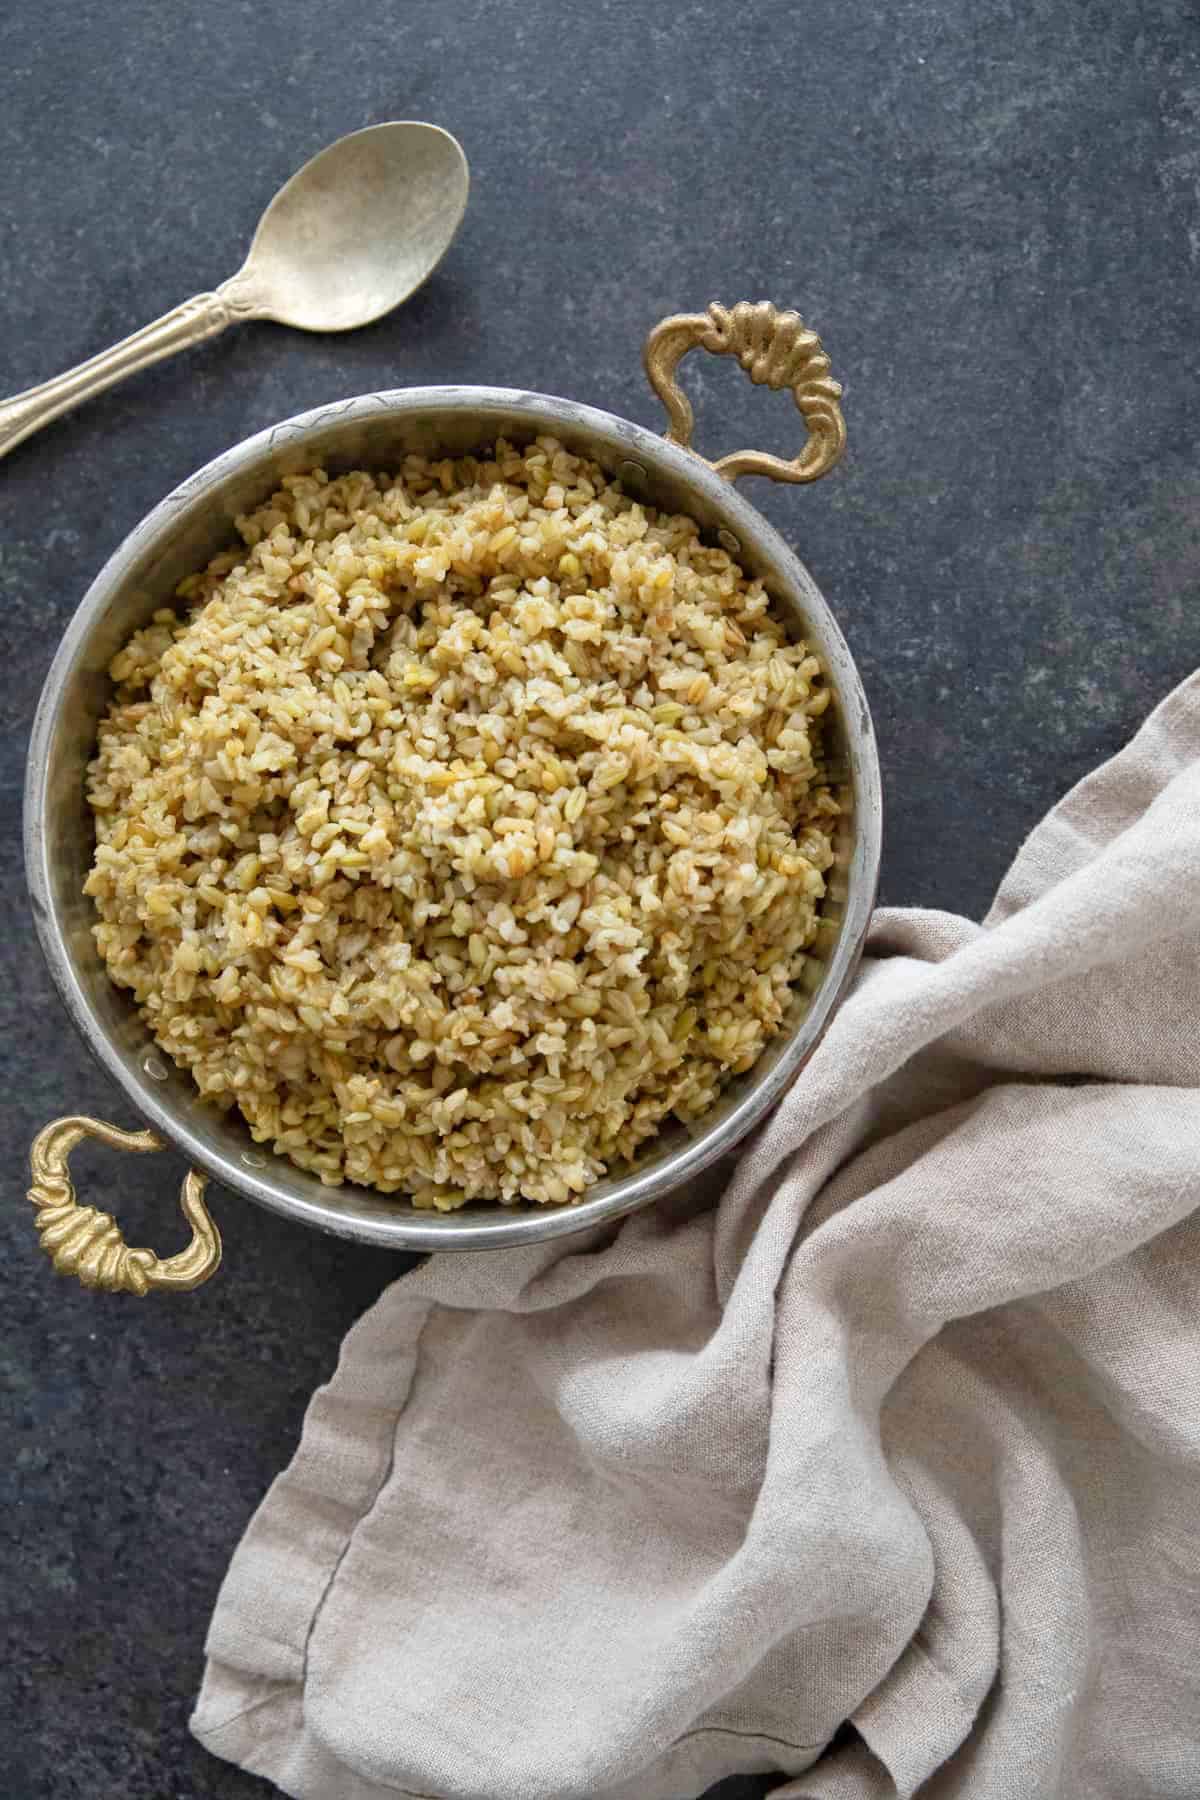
x,y
356,230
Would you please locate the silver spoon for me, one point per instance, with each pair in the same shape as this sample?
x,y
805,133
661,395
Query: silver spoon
x,y
349,237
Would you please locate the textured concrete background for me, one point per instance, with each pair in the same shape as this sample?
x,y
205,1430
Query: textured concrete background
x,y
992,213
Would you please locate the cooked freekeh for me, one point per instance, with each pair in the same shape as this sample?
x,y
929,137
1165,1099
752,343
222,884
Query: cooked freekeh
x,y
463,826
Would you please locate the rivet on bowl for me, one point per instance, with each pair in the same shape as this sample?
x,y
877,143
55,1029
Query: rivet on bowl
x,y
728,542
154,1068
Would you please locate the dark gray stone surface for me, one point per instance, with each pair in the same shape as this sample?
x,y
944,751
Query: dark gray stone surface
x,y
992,213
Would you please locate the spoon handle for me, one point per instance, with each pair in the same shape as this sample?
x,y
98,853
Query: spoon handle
x,y
188,324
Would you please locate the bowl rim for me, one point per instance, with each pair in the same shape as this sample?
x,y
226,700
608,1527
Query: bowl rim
x,y
409,1230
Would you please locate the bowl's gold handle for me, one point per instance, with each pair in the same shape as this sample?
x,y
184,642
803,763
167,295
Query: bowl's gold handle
x,y
773,347
83,1242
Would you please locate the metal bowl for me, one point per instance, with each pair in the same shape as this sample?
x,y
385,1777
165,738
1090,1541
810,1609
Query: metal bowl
x,y
180,536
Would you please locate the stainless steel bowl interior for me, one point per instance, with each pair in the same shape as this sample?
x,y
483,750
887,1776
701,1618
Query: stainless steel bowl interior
x,y
189,527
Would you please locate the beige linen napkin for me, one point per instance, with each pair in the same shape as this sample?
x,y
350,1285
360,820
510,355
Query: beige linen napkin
x,y
905,1432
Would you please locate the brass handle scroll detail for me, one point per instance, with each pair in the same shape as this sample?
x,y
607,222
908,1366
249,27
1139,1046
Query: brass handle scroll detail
x,y
775,348
87,1243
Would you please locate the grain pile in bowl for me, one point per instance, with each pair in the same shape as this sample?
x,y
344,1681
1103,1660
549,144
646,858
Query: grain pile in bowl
x,y
463,826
